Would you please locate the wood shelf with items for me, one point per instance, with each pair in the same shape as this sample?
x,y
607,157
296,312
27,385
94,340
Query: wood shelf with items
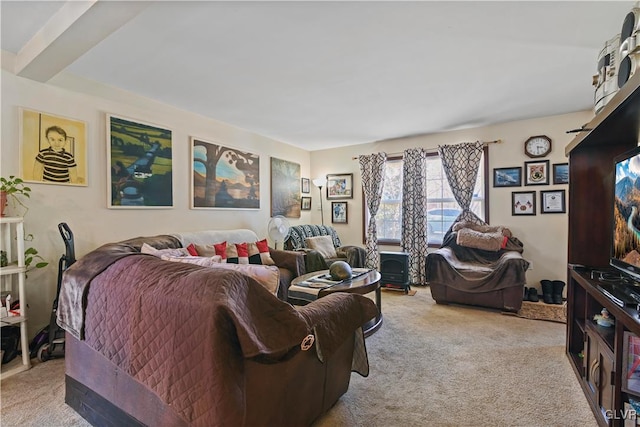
x,y
596,352
13,244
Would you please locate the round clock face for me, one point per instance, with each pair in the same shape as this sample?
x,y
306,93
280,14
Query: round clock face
x,y
537,146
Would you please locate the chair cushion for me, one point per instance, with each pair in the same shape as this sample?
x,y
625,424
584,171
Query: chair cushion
x,y
322,244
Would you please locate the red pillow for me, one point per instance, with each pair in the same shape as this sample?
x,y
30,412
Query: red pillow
x,y
192,250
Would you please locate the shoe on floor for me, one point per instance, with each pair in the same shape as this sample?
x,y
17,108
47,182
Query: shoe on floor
x,y
532,295
547,291
525,297
558,286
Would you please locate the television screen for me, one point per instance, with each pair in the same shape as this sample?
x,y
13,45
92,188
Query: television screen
x,y
625,250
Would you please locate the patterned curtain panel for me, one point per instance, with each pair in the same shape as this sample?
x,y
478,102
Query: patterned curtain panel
x,y
414,205
461,163
372,170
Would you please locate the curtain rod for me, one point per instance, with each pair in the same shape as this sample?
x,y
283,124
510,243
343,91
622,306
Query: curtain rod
x,y
485,143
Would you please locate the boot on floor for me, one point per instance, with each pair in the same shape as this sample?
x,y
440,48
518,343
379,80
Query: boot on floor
x,y
547,291
532,295
525,296
558,286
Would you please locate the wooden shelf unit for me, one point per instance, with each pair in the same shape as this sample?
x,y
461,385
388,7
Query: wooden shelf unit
x,y
596,352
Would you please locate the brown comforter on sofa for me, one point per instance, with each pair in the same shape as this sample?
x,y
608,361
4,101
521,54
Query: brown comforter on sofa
x,y
182,330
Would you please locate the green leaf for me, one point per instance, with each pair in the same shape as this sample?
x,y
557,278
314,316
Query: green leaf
x,y
30,251
42,264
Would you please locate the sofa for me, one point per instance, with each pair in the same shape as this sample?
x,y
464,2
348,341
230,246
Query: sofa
x,y
321,259
155,342
478,265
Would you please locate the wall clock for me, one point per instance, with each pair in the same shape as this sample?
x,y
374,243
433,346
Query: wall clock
x,y
537,146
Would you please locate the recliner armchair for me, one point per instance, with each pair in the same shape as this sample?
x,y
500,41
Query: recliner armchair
x,y
297,241
478,265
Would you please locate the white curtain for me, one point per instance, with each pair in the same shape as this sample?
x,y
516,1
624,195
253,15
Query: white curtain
x,y
414,239
372,168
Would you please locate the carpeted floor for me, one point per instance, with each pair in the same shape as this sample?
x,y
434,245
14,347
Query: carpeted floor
x,y
431,365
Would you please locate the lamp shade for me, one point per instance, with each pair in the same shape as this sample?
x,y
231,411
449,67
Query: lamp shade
x,y
319,182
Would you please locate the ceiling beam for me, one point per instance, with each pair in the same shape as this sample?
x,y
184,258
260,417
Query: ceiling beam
x,y
69,33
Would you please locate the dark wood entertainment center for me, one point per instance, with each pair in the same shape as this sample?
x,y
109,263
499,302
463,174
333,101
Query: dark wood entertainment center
x,y
595,352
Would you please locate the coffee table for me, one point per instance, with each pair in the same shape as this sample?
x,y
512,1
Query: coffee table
x,y
364,282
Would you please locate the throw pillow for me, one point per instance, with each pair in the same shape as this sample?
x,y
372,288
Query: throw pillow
x,y
192,250
322,244
215,249
177,252
254,253
198,260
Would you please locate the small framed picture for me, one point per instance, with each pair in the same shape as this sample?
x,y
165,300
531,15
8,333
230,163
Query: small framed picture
x,y
339,212
305,185
523,203
552,201
305,203
631,363
561,173
536,172
340,186
507,177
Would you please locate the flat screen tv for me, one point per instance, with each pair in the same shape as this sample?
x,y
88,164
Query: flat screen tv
x,y
625,248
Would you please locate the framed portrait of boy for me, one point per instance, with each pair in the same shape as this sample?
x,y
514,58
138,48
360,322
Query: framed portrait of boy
x,y
53,149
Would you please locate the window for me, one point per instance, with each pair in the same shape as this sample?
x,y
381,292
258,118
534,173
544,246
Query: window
x,y
442,208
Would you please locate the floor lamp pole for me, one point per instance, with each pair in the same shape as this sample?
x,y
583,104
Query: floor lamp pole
x,y
320,182
321,212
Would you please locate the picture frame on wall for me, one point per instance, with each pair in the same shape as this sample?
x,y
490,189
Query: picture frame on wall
x,y
552,201
140,164
507,177
536,172
561,173
223,177
339,213
523,203
53,149
305,185
285,188
305,203
631,363
339,186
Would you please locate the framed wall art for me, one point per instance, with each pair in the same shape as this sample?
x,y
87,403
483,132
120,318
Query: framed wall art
x,y
305,204
561,173
339,212
340,186
552,201
305,185
140,162
53,149
536,172
507,177
285,188
223,177
523,203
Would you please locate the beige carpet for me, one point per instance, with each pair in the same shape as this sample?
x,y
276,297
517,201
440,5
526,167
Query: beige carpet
x,y
431,365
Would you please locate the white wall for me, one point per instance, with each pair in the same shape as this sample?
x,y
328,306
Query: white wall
x,y
85,210
93,224
544,235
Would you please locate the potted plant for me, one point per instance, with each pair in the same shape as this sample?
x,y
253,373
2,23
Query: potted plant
x,y
15,188
12,187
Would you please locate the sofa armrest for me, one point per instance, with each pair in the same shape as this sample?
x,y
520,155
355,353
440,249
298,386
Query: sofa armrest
x,y
335,317
293,261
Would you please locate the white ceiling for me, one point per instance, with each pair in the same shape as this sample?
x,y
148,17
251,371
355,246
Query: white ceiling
x,y
326,74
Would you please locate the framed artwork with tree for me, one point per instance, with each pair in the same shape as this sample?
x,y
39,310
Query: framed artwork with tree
x,y
223,177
